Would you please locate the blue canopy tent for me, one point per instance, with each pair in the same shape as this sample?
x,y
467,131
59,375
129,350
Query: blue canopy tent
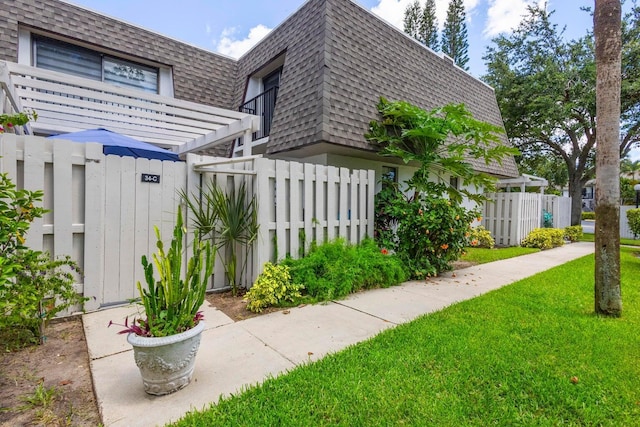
x,y
120,145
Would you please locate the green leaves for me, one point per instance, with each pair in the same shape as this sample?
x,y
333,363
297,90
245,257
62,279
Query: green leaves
x,y
33,287
443,142
231,219
171,303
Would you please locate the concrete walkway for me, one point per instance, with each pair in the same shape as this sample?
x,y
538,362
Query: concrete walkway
x,y
234,355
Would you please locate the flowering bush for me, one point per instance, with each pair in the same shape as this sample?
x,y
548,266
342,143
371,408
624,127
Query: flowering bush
x,y
544,238
431,232
480,237
573,233
272,287
8,122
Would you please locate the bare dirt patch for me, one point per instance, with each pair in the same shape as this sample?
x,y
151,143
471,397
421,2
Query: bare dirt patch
x,y
234,306
49,385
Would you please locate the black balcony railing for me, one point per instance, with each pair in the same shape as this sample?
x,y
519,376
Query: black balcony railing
x,y
263,106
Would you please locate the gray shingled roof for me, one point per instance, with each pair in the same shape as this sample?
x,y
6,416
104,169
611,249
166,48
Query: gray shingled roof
x,y
340,59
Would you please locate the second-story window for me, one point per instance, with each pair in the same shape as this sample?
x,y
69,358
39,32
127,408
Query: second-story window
x,y
67,58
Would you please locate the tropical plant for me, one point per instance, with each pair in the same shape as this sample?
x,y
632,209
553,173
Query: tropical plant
x,y
231,219
426,225
172,303
442,141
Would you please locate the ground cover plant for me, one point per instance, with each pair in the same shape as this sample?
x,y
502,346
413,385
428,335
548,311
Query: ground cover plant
x,y
532,353
484,255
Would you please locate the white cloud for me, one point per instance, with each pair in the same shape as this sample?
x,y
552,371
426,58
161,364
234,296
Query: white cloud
x,y
229,45
392,11
207,28
503,16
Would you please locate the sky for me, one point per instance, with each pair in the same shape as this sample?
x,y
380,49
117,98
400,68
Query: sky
x,y
233,27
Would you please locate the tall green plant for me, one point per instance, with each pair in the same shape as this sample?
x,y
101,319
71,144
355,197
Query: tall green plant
x,y
231,218
428,226
238,218
171,303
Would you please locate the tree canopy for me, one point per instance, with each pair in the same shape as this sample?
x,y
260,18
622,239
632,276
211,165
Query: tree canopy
x,y
421,23
454,34
545,87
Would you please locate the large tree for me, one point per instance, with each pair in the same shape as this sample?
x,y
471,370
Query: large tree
x,y
429,25
607,29
545,87
454,34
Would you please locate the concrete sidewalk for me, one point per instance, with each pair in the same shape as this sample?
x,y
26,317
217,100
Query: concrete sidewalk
x,y
234,355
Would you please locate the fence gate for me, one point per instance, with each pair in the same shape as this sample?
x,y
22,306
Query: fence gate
x,y
101,213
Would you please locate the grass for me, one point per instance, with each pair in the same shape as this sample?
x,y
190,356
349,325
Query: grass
x,y
483,255
590,237
532,353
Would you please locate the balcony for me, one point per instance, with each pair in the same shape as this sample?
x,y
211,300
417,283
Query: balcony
x,y
263,106
67,103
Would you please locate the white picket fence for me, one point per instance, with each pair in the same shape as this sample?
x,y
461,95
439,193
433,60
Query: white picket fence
x,y
100,211
103,214
298,203
511,216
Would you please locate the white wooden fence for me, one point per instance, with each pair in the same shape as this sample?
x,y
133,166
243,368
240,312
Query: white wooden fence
x,y
102,214
625,230
100,211
511,216
297,204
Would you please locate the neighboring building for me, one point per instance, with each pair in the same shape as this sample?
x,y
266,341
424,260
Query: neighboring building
x,y
314,81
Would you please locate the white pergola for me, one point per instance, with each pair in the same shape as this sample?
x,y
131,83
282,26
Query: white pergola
x,y
522,182
66,103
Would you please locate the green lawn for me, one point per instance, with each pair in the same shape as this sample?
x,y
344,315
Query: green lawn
x,y
505,358
590,237
482,255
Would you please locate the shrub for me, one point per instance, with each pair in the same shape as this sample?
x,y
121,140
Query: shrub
x,y
272,287
33,288
480,237
588,215
633,218
573,233
431,232
544,238
335,269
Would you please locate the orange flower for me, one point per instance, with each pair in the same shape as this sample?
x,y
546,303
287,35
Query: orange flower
x,y
479,219
384,251
444,246
474,243
419,211
457,217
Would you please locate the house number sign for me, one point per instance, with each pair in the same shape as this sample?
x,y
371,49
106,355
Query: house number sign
x,y
151,178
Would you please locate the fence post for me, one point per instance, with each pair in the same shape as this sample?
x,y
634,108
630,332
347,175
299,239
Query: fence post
x,y
261,245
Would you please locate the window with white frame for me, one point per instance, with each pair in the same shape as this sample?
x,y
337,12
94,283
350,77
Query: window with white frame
x,y
67,58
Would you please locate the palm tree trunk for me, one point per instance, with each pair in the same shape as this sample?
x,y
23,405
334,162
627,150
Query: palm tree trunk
x,y
607,30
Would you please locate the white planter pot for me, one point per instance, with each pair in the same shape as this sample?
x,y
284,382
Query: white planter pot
x,y
166,363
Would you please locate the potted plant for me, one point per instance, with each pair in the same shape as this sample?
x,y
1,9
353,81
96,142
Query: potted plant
x,y
165,340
